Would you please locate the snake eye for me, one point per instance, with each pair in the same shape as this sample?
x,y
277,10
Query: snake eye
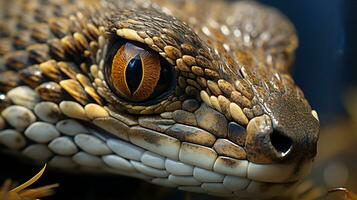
x,y
138,74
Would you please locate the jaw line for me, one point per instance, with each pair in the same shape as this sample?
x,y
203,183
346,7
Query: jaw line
x,y
268,180
278,173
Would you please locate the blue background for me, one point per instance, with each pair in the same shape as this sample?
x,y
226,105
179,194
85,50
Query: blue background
x,y
326,63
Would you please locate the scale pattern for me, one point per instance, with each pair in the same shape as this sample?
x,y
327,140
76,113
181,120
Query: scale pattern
x,y
211,135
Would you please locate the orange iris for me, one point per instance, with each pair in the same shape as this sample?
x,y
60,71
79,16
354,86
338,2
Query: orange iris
x,y
135,72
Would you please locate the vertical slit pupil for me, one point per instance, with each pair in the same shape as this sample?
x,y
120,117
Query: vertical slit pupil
x,y
134,73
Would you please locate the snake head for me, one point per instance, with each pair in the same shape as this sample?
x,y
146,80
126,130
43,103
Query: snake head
x,y
175,95
233,113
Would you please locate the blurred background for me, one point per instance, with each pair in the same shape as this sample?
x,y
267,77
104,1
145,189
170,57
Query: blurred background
x,y
326,70
325,65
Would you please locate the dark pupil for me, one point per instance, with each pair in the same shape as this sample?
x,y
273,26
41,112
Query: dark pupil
x,y
134,73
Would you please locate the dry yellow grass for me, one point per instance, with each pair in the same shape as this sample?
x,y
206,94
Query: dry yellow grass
x,y
10,192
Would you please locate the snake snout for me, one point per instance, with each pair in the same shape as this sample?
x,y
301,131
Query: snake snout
x,y
267,143
264,144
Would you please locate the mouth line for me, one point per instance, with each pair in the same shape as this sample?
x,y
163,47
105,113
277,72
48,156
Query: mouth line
x,y
278,173
264,173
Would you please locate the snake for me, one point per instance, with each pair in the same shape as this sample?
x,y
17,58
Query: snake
x,y
195,95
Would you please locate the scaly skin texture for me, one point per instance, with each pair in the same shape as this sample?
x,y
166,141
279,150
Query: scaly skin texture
x,y
233,124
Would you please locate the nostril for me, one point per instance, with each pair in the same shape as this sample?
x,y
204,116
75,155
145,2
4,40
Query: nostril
x,y
281,143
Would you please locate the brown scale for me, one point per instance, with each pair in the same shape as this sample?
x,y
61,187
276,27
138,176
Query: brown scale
x,y
38,53
56,49
22,40
40,32
8,80
5,46
16,60
59,26
50,91
31,76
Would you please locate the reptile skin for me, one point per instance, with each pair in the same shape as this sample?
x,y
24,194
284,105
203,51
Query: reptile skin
x,y
231,123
